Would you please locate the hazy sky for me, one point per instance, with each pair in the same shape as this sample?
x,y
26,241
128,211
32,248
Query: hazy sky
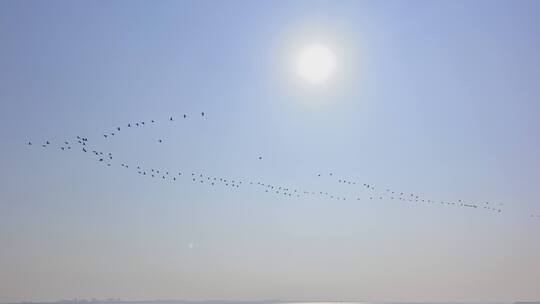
x,y
435,97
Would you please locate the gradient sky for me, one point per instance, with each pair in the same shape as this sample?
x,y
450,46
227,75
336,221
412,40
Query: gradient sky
x,y
435,97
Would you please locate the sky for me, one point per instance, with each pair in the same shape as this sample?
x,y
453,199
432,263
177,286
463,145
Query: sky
x,y
432,97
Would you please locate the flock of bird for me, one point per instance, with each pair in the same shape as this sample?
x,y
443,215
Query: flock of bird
x,y
367,191
387,193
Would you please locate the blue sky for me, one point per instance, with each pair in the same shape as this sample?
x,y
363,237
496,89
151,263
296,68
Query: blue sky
x,y
438,98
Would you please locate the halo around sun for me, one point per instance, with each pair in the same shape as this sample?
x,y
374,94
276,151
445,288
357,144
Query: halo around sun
x,y
316,63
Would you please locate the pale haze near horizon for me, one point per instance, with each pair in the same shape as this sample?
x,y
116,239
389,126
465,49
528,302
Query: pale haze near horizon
x,y
440,98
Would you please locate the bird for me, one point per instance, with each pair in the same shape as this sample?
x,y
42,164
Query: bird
x,y
47,142
29,143
185,115
202,113
118,128
159,140
171,119
260,157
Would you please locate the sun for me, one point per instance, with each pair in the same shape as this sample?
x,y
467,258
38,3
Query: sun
x,y
316,63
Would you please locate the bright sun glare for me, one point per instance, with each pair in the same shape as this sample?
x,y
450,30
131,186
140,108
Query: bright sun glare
x,y
316,63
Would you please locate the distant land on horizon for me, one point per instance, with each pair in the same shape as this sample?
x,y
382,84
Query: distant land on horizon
x,y
119,300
